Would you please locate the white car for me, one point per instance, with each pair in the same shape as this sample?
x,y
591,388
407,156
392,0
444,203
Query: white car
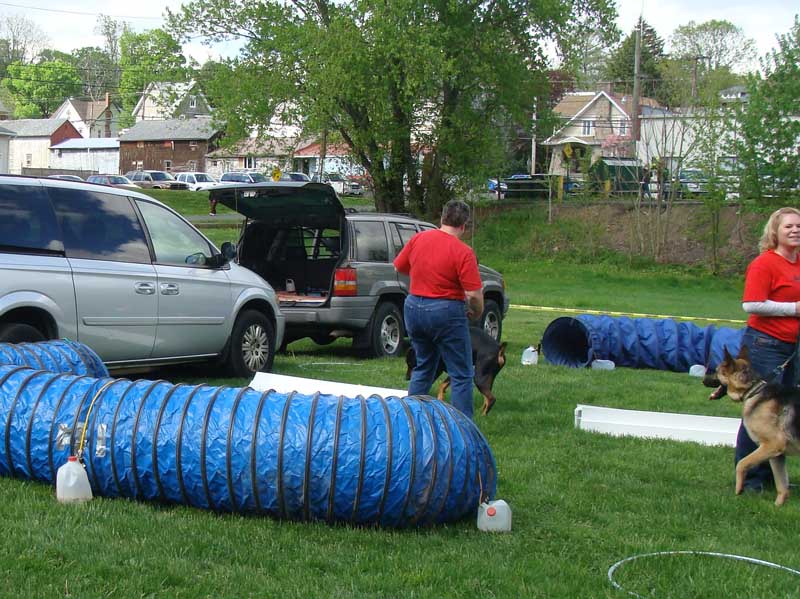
x,y
197,181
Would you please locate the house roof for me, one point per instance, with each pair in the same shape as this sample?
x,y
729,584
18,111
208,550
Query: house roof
x,y
274,146
33,127
172,129
88,110
88,143
6,132
166,94
312,150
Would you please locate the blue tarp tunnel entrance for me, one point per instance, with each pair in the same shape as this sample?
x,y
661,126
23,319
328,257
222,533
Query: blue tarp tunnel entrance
x,y
663,344
393,462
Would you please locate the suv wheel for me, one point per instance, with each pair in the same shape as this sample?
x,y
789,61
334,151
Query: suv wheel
x,y
252,344
17,332
387,331
492,319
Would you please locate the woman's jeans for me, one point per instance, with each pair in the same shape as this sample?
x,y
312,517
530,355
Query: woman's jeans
x,y
438,328
766,354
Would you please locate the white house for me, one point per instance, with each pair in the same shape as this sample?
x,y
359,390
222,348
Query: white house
x,y
90,118
96,154
5,138
29,149
252,154
164,100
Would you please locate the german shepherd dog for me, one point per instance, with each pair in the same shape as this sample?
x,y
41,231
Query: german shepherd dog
x,y
488,359
771,415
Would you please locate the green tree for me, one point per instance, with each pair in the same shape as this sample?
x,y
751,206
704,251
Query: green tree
x,y
620,66
38,89
769,144
418,89
147,57
719,44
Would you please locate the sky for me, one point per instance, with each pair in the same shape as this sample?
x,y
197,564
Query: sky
x,y
71,25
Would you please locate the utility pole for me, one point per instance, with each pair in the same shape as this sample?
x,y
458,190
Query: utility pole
x,y
637,58
694,74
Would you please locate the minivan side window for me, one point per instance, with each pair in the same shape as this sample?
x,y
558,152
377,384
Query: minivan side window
x,y
371,243
175,242
27,221
99,226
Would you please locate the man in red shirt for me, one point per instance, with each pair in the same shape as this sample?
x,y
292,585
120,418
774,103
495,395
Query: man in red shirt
x,y
446,292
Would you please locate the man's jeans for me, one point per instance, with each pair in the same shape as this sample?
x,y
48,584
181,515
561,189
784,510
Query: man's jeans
x,y
766,354
438,328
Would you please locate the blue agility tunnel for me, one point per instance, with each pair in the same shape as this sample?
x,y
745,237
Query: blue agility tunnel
x,y
663,344
394,462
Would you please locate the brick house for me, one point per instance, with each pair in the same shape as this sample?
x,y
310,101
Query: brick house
x,y
173,145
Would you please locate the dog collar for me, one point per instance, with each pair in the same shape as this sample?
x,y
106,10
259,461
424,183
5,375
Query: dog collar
x,y
754,390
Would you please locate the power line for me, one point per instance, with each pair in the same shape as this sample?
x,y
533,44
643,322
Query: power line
x,y
79,13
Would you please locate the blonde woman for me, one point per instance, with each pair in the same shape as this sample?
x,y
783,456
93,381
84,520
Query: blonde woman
x,y
772,301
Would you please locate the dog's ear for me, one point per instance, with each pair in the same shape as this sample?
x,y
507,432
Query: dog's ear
x,y
744,353
727,358
502,352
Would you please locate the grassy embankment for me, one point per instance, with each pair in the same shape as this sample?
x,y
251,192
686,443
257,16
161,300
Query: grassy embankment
x,y
580,501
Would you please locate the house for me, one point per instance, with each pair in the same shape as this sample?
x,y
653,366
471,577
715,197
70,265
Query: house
x,y
29,149
338,159
594,124
93,155
171,145
252,154
164,100
5,138
91,118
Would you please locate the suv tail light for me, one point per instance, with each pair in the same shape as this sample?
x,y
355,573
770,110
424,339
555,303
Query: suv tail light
x,y
344,281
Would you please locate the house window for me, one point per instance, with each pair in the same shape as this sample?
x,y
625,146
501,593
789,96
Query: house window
x,y
192,145
623,127
588,127
168,165
139,144
215,162
193,165
28,159
137,165
192,101
249,162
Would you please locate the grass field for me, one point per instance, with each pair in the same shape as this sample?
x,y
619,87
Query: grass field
x,y
581,502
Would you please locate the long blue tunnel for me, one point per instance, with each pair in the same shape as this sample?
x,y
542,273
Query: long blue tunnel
x,y
394,462
663,344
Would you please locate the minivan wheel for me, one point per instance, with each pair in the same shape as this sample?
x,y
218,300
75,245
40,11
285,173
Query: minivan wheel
x,y
492,319
387,331
252,344
17,332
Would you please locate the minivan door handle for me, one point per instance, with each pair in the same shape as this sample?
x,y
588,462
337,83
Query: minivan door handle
x,y
145,288
170,289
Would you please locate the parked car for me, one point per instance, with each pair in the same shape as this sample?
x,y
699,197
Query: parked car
x,y
355,187
129,277
295,176
693,181
155,180
492,186
333,270
112,181
65,177
197,181
243,177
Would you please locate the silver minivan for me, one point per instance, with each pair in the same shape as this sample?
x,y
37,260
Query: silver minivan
x,y
129,277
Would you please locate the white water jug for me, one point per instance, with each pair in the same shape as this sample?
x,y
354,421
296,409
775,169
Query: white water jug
x,y
72,483
603,364
530,356
494,516
697,370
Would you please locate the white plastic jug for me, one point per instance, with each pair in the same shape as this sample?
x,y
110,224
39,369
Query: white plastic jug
x,y
603,364
530,356
697,370
494,516
72,484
